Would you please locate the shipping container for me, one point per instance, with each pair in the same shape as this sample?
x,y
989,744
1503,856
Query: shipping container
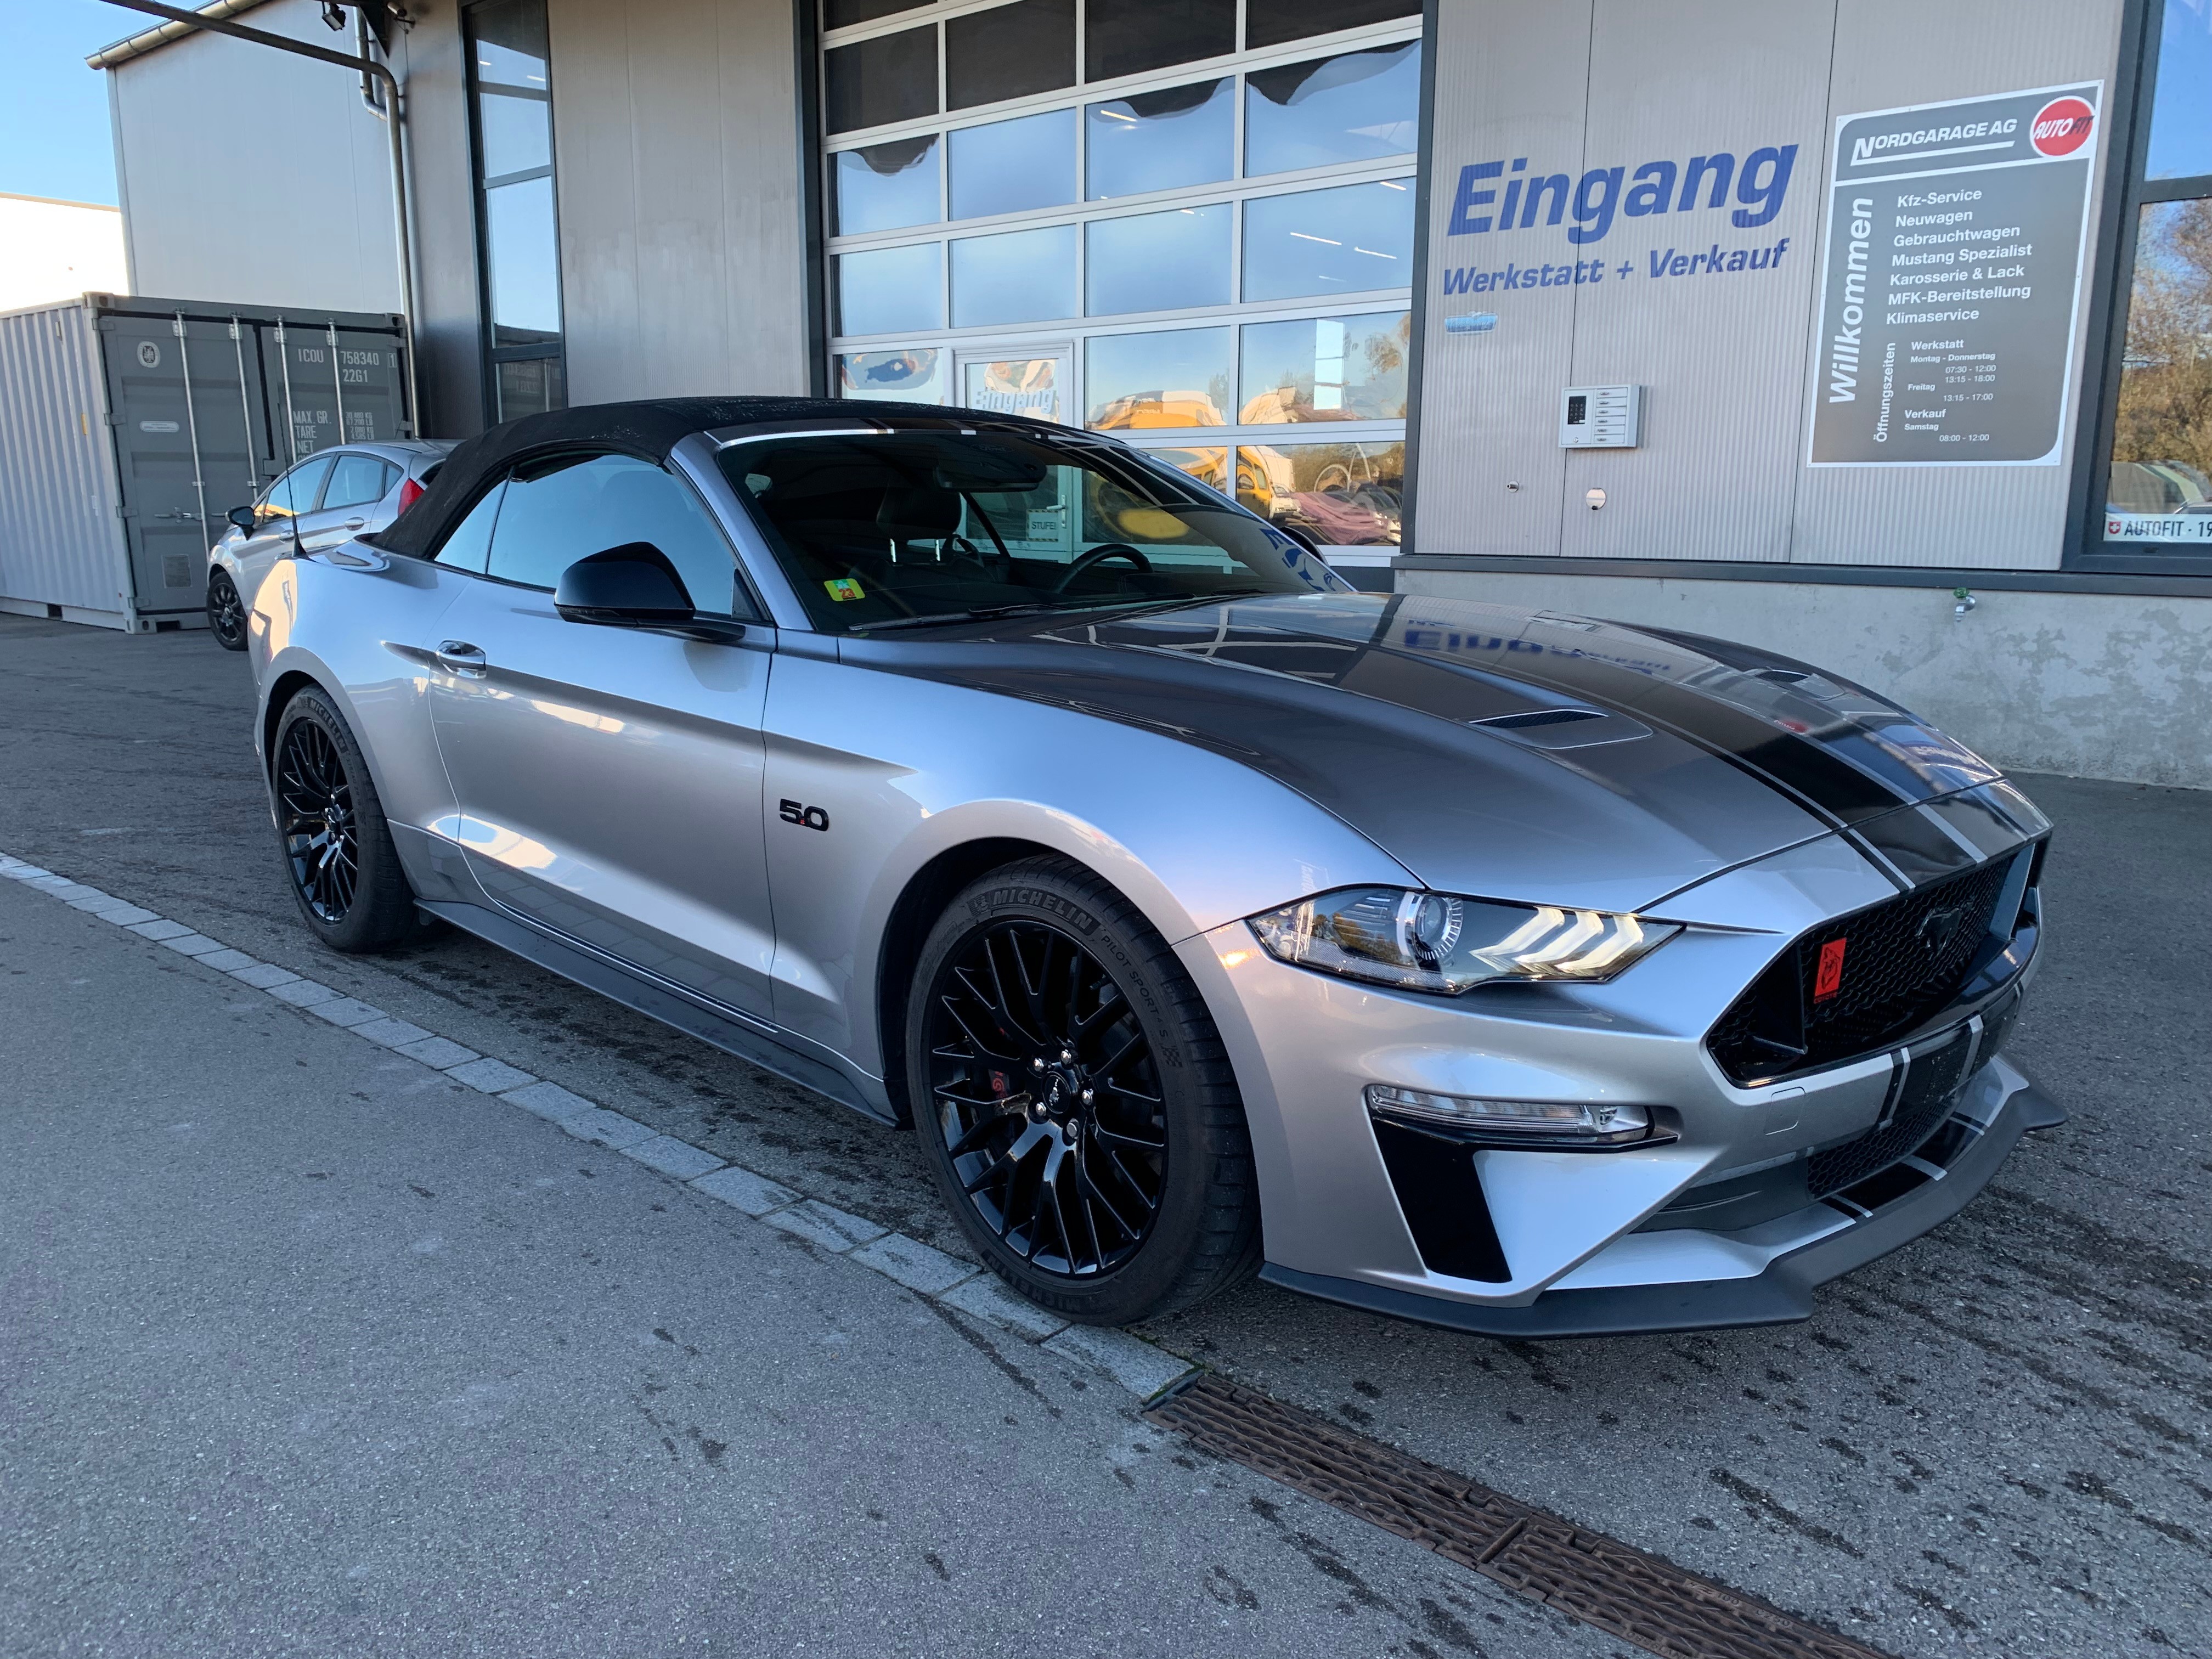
x,y
130,427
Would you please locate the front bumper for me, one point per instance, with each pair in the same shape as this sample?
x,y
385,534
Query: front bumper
x,y
1763,1190
1801,1252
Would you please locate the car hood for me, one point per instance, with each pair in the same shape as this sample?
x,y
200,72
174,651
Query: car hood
x,y
1496,751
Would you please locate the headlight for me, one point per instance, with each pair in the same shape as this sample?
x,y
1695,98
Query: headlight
x,y
1432,942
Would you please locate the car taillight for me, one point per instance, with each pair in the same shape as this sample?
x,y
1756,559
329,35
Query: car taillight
x,y
410,493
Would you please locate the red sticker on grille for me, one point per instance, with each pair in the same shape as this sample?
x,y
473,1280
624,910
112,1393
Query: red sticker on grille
x,y
1830,978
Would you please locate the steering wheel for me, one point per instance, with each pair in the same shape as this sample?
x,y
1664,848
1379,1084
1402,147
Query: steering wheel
x,y
1098,555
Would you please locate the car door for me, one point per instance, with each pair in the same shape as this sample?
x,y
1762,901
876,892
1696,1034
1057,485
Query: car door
x,y
357,482
275,518
609,779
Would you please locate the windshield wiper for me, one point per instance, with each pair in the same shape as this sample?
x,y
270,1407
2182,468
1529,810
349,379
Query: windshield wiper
x,y
981,613
994,612
1189,599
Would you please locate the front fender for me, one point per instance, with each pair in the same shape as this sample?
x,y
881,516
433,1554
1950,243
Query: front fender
x,y
907,771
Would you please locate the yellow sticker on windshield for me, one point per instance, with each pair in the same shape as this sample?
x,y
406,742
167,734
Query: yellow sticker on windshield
x,y
844,587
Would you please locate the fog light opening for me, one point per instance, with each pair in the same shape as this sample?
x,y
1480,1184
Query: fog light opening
x,y
1560,1124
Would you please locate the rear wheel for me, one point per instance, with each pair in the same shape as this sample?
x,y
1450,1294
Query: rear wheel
x,y
339,855
226,612
1075,1102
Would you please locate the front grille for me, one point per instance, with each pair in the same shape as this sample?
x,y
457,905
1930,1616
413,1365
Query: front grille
x,y
1901,962
1923,1102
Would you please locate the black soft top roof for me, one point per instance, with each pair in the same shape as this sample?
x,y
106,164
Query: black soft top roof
x,y
648,428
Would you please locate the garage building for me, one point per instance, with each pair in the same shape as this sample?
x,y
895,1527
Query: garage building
x,y
1873,333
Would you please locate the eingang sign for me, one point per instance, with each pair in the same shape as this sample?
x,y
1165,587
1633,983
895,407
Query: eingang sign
x,y
1498,198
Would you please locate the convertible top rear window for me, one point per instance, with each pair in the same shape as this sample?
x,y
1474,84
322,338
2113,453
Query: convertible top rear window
x,y
899,529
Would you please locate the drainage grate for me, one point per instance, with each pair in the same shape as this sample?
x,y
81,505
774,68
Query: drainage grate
x,y
1622,1591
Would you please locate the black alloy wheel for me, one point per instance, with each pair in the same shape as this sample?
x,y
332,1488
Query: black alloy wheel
x,y
315,815
226,612
1047,1097
1074,1101
339,855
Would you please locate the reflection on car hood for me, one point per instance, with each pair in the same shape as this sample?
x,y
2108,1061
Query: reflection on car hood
x,y
1503,752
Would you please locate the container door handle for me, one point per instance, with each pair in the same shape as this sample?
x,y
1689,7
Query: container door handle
x,y
457,657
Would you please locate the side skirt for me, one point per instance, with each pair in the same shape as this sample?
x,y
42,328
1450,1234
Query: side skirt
x,y
617,983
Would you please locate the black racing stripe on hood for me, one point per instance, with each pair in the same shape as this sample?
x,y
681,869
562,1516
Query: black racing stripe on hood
x,y
1818,756
1794,762
1798,764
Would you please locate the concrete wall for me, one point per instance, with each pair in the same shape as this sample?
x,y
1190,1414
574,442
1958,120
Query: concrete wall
x,y
1727,361
2094,684
678,162
52,251
2115,685
252,175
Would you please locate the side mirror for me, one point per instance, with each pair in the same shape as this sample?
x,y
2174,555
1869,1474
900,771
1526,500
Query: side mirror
x,y
635,585
1303,537
243,518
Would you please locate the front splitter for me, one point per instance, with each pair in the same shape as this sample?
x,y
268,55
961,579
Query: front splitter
x,y
1782,1295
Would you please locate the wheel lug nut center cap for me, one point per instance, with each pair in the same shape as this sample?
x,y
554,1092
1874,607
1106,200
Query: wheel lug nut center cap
x,y
1059,1089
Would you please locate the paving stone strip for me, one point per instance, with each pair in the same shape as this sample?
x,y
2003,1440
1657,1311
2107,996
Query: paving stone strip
x,y
1139,1366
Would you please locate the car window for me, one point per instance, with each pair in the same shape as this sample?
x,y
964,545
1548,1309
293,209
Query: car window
x,y
891,529
567,508
294,493
467,545
356,480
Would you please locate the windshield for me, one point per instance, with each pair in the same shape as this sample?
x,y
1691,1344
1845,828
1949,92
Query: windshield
x,y
899,529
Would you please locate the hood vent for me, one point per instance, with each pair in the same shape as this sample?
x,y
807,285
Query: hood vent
x,y
1541,717
1564,728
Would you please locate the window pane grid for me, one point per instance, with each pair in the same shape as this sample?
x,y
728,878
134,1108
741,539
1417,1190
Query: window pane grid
x,y
1395,170
1365,18
1120,277
1082,90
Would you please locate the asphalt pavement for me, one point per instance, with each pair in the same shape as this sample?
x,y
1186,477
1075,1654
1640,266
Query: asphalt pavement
x,y
1995,1440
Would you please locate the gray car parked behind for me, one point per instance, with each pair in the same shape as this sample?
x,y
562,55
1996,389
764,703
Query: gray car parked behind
x,y
329,498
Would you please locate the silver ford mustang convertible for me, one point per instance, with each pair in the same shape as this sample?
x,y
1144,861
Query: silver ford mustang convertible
x,y
1510,971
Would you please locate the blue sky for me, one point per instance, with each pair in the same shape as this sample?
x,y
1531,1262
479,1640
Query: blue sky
x,y
54,138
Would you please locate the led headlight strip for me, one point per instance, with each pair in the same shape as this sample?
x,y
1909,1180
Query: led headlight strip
x,y
1434,942
1517,1122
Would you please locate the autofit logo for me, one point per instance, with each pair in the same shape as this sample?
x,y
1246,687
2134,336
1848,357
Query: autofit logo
x,y
1502,196
2062,127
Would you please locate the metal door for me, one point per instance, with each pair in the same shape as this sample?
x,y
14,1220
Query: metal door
x,y
330,386
609,785
184,396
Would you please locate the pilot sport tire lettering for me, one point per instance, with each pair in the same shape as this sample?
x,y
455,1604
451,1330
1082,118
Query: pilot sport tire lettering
x,y
1074,1101
226,612
337,851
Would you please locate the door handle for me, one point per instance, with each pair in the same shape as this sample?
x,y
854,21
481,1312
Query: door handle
x,y
457,657
354,524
